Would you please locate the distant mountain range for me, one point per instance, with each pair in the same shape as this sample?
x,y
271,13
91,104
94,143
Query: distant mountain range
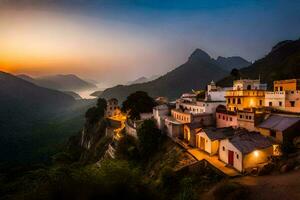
x,y
60,82
230,63
196,73
143,79
283,62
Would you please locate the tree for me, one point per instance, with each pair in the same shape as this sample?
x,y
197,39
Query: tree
x,y
96,113
149,138
137,103
235,73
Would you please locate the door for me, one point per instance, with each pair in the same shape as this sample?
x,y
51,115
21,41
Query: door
x,y
202,143
230,157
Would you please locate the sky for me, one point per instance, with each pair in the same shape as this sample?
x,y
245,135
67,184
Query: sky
x,y
114,41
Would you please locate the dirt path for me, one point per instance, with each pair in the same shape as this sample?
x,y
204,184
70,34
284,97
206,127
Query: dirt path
x,y
282,186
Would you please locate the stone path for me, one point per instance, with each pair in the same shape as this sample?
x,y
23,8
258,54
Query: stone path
x,y
213,160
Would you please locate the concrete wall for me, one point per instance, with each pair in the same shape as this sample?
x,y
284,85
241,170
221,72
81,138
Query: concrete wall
x,y
223,154
211,147
275,98
130,130
257,157
225,120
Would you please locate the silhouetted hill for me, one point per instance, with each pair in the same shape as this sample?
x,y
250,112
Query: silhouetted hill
x,y
230,63
199,70
283,62
34,120
139,80
60,82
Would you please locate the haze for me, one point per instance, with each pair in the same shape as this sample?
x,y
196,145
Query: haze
x,y
116,41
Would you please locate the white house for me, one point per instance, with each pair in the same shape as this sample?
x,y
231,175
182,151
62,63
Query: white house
x,y
208,139
159,114
173,127
245,150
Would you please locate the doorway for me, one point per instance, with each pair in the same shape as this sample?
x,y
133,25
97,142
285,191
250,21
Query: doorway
x,y
230,157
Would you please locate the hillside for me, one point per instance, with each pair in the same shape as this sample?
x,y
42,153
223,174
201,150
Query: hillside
x,y
34,120
283,62
60,82
196,73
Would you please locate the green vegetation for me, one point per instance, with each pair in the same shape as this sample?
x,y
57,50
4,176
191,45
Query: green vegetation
x,y
149,138
137,103
95,113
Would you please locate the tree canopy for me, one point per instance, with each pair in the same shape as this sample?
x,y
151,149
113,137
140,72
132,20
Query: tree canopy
x,y
149,137
95,113
137,103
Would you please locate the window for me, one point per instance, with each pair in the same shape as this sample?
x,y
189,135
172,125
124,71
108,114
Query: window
x,y
223,148
292,103
276,88
239,101
248,87
273,133
237,156
228,100
223,117
250,117
270,103
280,103
230,119
281,89
241,116
233,101
219,116
260,102
246,116
292,92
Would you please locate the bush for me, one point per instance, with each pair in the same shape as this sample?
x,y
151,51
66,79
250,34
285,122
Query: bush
x,y
149,137
127,148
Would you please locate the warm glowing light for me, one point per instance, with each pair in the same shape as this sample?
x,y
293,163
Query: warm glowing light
x,y
251,102
256,153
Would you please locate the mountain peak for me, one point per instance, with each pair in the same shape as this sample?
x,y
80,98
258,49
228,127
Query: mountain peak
x,y
199,54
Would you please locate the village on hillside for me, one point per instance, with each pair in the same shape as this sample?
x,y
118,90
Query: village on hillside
x,y
238,129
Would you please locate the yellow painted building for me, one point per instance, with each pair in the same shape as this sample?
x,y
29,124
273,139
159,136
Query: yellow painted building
x,y
287,85
244,99
245,94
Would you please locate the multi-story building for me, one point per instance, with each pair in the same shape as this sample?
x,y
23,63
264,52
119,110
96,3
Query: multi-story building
x,y
225,118
286,95
246,94
250,119
112,108
284,85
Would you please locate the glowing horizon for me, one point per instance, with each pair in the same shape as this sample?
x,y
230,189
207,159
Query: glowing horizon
x,y
115,41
